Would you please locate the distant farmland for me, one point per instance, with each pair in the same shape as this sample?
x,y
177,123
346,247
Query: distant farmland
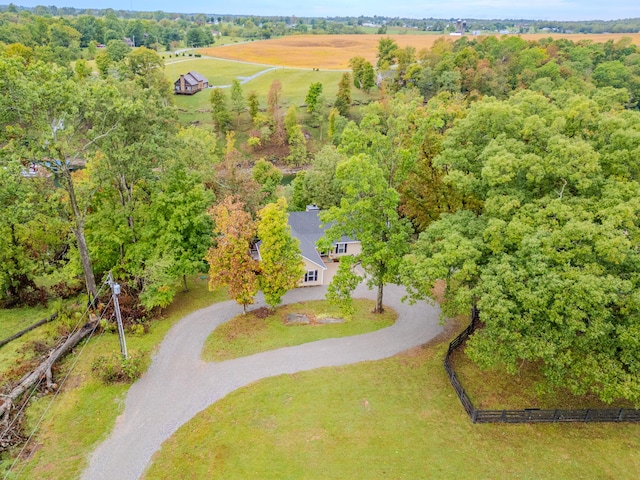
x,y
334,51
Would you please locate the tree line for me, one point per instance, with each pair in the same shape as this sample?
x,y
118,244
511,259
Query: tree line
x,y
513,176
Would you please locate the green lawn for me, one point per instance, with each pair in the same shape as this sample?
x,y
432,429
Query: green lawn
x,y
85,411
218,72
391,419
247,334
12,320
295,85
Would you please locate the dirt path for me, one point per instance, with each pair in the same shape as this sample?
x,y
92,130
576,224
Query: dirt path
x,y
179,384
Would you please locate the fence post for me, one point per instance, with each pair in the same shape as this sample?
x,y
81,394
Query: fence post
x,y
586,415
474,415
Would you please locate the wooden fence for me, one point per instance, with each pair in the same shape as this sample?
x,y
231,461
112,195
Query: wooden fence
x,y
528,415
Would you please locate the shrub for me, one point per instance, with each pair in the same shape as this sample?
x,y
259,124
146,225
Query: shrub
x,y
115,368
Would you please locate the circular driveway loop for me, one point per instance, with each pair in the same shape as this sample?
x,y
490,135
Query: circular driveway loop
x,y
179,384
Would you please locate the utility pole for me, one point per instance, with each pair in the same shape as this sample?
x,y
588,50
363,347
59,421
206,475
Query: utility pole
x,y
115,291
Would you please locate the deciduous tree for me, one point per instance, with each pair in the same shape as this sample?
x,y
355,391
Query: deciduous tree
x,y
219,110
230,261
237,98
281,266
549,255
368,212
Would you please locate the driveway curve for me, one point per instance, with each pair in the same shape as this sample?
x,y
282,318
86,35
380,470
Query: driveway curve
x,y
179,384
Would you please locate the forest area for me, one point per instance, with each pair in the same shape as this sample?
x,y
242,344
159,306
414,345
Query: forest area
x,y
508,168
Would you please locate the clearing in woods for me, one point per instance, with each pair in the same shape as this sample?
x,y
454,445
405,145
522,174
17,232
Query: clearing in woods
x,y
334,51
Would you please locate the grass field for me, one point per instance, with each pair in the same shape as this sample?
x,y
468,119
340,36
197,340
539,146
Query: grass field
x,y
246,334
295,85
391,419
218,72
85,410
334,51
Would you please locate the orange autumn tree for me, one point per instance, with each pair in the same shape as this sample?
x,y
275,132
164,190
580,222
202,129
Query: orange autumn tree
x,y
230,261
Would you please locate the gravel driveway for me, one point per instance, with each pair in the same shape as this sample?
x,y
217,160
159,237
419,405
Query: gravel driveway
x,y
179,384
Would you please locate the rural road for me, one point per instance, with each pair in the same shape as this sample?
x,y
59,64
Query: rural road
x,y
179,384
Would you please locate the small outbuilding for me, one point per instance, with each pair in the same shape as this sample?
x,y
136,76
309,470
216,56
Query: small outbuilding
x,y
190,83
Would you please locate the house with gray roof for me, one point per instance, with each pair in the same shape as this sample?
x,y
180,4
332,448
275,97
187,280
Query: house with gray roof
x,y
320,267
190,83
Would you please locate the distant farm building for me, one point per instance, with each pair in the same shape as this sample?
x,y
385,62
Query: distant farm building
x,y
190,83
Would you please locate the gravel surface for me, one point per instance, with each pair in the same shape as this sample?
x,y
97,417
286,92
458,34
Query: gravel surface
x,y
179,384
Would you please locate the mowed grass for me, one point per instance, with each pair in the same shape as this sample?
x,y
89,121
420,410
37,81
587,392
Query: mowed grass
x,y
295,86
85,410
218,72
391,419
12,320
334,51
247,334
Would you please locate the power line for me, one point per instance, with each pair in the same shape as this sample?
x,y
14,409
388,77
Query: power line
x,y
46,410
37,385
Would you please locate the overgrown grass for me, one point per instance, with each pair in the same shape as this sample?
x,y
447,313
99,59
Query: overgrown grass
x,y
496,390
396,418
15,355
246,334
85,410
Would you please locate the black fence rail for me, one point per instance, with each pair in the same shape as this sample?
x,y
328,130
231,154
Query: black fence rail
x,y
528,415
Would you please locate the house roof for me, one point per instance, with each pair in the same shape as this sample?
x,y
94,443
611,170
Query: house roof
x,y
308,229
305,226
193,78
198,77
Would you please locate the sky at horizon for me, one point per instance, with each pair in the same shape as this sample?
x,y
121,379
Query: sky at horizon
x,y
481,9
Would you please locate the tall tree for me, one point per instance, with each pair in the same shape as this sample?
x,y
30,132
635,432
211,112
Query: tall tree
x,y
230,261
274,111
319,184
237,98
220,110
363,75
254,104
268,177
281,266
368,211
176,233
313,95
549,255
343,97
387,49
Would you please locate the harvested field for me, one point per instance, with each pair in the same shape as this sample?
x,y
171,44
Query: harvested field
x,y
334,51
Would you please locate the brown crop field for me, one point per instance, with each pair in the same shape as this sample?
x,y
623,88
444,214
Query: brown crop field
x,y
334,51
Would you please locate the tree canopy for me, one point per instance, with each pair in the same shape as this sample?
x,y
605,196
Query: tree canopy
x,y
550,255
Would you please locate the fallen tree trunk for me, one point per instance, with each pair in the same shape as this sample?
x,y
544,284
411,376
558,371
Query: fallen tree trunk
x,y
42,371
28,329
